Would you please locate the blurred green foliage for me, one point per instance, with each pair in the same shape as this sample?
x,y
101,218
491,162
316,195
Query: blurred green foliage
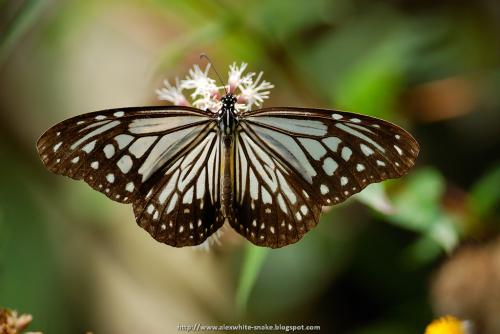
x,y
485,195
432,67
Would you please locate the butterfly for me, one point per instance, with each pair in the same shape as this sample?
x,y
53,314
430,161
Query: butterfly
x,y
266,171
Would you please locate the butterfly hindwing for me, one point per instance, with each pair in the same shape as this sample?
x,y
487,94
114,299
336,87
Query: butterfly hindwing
x,y
271,207
182,205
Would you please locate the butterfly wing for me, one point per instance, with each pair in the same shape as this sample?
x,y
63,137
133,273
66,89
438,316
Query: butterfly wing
x,y
134,154
292,161
271,206
183,208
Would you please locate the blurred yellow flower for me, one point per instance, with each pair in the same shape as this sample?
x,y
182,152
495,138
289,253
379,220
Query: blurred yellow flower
x,y
447,325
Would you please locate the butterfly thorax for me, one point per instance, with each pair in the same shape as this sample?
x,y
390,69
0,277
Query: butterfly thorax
x,y
227,115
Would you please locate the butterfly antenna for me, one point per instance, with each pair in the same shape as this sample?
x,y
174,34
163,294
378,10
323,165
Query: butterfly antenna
x,y
203,55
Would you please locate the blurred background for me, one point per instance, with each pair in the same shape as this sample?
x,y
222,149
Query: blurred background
x,y
388,261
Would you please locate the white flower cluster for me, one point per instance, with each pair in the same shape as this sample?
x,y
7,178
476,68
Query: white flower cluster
x,y
249,89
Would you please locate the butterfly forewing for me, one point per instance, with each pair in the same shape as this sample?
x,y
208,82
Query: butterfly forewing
x,y
306,158
115,151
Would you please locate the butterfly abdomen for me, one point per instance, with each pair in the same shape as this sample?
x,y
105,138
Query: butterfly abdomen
x,y
227,177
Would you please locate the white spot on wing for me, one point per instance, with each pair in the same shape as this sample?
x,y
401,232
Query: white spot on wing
x,y
346,153
297,126
119,114
254,186
344,180
123,140
96,132
169,187
110,177
313,147
75,160
171,204
286,188
243,169
359,127
130,187
366,150
336,116
125,164
89,147
332,143
400,151
330,166
188,197
56,146
200,185
141,145
282,204
95,164
161,124
109,150
360,167
266,197
324,189
359,135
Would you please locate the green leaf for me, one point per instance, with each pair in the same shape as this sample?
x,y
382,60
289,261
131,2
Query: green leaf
x,y
417,204
422,251
375,197
252,263
418,208
485,194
